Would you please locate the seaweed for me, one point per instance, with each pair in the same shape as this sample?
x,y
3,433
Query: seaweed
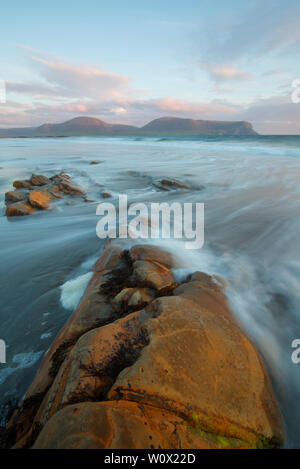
x,y
59,356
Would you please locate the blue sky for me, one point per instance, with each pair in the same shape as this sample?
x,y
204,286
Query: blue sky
x,y
130,62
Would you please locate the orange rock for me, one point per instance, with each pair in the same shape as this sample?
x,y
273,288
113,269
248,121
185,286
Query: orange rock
x,y
119,425
154,275
110,258
40,200
145,252
180,367
199,365
19,209
22,184
93,365
94,310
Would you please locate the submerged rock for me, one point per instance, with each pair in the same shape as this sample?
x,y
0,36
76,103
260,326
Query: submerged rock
x,y
106,195
169,184
172,185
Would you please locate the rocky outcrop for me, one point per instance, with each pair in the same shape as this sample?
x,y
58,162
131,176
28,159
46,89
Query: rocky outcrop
x,y
147,363
37,193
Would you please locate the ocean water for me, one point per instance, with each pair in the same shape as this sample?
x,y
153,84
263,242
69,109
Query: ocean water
x,y
252,225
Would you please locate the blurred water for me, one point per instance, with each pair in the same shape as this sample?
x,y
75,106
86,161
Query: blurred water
x,y
252,229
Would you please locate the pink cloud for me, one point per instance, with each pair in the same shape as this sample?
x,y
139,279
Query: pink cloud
x,y
226,73
181,106
82,80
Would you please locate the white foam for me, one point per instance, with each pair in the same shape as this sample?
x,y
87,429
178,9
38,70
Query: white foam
x,y
72,291
23,360
47,335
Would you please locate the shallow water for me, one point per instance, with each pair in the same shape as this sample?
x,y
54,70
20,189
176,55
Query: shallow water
x,y
251,195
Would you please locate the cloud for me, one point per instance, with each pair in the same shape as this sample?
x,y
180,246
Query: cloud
x,y
253,29
179,106
60,79
62,91
82,80
276,114
226,73
35,89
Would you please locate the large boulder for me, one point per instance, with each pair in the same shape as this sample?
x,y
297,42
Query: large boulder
x,y
179,373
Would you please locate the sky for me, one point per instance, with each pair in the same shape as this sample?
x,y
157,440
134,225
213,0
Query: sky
x,y
131,61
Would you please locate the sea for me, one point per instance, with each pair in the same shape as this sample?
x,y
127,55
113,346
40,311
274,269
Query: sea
x,y
250,187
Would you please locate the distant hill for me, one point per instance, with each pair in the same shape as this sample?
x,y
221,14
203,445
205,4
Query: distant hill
x,y
86,126
174,125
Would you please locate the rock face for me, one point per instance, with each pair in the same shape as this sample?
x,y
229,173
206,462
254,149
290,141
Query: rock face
x,y
177,372
37,193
